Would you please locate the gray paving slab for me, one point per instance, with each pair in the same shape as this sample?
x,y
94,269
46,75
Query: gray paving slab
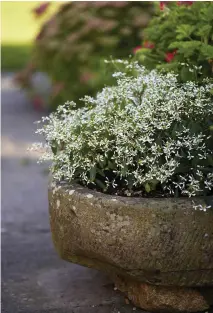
x,y
34,278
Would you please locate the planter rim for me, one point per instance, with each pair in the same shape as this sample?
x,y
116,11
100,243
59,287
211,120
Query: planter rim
x,y
70,188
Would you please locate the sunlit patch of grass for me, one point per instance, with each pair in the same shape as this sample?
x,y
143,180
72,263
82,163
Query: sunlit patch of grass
x,y
14,56
18,30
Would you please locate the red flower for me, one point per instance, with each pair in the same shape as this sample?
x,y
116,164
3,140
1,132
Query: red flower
x,y
148,44
162,5
185,2
38,103
170,56
41,9
136,49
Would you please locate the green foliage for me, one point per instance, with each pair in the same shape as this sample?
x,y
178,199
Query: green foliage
x,y
71,46
147,135
185,28
15,56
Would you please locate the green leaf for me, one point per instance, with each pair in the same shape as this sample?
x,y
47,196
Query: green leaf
x,y
184,31
100,172
147,187
186,75
154,183
207,51
111,165
187,48
54,149
204,31
210,160
100,184
92,173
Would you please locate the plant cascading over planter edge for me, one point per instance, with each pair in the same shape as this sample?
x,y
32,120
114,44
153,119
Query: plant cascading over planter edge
x,y
147,136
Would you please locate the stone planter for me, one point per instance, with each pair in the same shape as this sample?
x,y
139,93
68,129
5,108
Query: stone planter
x,y
158,251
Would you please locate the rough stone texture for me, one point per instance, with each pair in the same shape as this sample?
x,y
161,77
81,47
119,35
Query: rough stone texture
x,y
160,298
157,241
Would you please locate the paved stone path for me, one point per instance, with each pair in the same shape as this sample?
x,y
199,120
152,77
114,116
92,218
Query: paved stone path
x,y
34,278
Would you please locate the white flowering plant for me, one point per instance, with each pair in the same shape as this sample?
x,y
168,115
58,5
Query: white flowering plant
x,y
148,136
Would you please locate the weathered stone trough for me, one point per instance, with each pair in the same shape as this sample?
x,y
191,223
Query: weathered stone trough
x,y
158,251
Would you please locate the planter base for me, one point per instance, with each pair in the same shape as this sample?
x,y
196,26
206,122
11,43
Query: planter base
x,y
160,298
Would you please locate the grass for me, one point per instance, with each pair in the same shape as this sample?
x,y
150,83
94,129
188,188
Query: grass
x,y
18,29
15,57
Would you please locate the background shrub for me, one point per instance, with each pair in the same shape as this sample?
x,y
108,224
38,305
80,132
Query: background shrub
x,y
180,38
71,46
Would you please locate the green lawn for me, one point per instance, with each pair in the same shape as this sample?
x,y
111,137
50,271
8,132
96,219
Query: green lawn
x,y
15,56
18,30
